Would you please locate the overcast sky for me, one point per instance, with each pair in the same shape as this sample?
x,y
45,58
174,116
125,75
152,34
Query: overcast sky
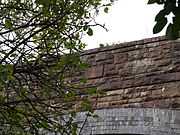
x,y
127,20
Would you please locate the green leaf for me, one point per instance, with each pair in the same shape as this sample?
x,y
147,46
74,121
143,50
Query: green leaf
x,y
170,7
8,23
83,80
155,1
160,15
6,73
152,1
106,9
90,32
74,129
44,124
83,66
87,105
159,25
92,91
171,32
101,45
176,22
43,2
85,27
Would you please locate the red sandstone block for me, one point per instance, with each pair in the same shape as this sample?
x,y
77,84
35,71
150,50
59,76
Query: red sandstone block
x,y
94,72
110,69
120,58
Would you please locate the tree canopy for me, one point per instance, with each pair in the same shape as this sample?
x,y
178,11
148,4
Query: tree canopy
x,y
40,45
173,28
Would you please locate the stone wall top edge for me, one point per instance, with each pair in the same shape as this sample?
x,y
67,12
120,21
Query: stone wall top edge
x,y
125,44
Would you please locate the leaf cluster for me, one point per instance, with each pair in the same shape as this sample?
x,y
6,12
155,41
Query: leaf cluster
x,y
40,46
173,28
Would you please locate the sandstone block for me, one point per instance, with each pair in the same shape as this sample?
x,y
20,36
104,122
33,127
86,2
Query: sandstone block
x,y
94,72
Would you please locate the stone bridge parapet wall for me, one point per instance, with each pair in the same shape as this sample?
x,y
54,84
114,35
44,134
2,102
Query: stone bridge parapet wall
x,y
141,80
144,73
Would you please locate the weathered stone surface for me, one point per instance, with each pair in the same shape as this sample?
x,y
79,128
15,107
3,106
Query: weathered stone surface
x,y
94,72
110,69
120,58
138,72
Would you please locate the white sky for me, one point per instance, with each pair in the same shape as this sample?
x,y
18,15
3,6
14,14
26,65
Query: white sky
x,y
127,20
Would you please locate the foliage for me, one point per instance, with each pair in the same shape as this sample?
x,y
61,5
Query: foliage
x,y
170,6
40,45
